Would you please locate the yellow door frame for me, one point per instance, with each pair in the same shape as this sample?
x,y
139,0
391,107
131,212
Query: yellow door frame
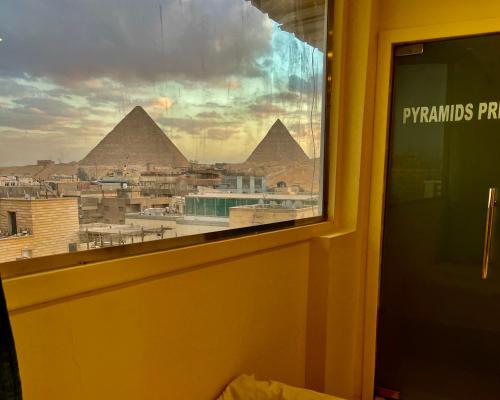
x,y
387,40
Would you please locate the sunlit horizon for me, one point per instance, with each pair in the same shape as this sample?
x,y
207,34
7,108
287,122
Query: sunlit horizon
x,y
60,93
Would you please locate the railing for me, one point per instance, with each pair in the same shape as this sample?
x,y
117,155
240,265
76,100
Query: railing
x,y
20,233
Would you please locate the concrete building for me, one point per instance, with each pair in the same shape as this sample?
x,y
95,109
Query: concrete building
x,y
177,226
8,181
159,182
218,204
101,235
15,181
38,227
113,209
259,214
243,184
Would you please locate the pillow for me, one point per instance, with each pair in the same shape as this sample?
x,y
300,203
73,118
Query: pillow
x,y
246,387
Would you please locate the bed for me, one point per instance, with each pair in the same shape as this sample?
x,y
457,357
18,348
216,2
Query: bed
x,y
246,387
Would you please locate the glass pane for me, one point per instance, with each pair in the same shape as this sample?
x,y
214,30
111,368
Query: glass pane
x,y
438,325
130,121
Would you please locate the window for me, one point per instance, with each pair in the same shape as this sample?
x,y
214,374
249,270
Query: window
x,y
125,123
12,222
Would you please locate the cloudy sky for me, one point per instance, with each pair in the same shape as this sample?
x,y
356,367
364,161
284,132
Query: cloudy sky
x,y
214,74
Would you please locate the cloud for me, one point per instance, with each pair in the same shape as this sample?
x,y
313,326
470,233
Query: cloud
x,y
10,88
263,109
48,106
310,86
26,118
213,104
281,97
211,128
233,84
209,114
132,41
221,133
46,115
38,146
162,103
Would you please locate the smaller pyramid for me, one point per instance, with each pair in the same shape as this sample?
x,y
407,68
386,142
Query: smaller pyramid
x,y
136,140
278,145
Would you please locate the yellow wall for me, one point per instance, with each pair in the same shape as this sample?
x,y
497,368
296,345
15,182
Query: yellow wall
x,y
180,324
297,305
178,336
396,14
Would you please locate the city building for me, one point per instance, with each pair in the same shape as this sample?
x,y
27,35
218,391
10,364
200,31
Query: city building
x,y
114,209
258,214
243,184
176,225
14,181
99,235
37,227
218,204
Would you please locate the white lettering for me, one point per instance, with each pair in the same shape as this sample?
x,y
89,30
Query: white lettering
x,y
424,112
406,114
433,115
469,111
444,113
482,109
492,110
414,111
459,112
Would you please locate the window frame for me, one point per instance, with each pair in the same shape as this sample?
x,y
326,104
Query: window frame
x,y
24,267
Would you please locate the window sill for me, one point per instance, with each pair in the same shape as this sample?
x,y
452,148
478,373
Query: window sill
x,y
51,286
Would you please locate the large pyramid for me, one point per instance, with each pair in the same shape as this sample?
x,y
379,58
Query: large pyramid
x,y
136,140
278,145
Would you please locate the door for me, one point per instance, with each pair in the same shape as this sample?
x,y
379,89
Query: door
x,y
439,320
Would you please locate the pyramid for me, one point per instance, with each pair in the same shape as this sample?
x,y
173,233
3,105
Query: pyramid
x,y
278,145
136,140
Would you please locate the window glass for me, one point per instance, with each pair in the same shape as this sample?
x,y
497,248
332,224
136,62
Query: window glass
x,y
130,121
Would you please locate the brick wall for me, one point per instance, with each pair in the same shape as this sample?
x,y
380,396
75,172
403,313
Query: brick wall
x,y
53,224
22,208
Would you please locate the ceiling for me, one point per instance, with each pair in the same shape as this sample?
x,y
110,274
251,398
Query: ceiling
x,y
304,18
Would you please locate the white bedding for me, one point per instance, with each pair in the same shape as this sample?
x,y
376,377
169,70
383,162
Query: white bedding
x,y
246,387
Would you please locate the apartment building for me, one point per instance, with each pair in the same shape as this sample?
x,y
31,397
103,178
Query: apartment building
x,y
37,227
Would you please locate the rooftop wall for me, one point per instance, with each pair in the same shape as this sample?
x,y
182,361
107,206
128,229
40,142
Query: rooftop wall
x,y
53,224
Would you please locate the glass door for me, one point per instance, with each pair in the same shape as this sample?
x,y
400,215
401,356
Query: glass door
x,y
439,311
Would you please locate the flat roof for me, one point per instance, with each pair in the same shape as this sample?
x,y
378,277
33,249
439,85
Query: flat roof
x,y
35,199
118,229
265,196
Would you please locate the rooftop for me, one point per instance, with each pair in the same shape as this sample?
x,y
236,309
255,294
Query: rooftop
x,y
225,195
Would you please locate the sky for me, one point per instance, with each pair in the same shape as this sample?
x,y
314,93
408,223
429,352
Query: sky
x,y
213,74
